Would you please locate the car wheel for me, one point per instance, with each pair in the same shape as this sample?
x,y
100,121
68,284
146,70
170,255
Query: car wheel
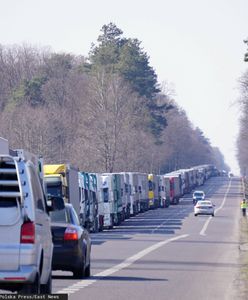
x,y
79,272
87,271
195,215
212,215
47,288
32,288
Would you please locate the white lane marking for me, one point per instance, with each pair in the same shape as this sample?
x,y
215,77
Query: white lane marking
x,y
205,226
224,200
127,262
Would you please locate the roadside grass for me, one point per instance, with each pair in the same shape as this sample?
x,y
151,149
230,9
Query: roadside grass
x,y
243,275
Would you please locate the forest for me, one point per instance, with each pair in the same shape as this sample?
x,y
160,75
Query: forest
x,y
242,141
102,112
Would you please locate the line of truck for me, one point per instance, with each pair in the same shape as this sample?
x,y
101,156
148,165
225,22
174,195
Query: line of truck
x,y
104,200
30,192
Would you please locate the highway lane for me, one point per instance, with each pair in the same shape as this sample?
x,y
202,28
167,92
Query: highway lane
x,y
167,253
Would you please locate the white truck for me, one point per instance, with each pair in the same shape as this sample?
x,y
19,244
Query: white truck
x,y
143,192
110,187
89,210
134,196
127,194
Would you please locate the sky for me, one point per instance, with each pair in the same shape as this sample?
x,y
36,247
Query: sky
x,y
195,46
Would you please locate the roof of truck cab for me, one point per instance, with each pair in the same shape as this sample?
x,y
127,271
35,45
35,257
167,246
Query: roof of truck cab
x,y
54,169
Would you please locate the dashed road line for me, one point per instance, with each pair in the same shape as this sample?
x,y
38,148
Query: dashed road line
x,y
205,226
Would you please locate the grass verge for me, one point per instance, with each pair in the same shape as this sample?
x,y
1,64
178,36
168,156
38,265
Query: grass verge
x,y
243,259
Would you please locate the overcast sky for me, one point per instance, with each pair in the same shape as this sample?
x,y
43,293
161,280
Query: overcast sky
x,y
195,45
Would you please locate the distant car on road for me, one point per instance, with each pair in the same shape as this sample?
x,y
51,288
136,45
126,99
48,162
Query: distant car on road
x,y
198,195
72,243
204,207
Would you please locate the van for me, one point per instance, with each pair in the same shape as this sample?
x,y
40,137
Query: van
x,y
26,246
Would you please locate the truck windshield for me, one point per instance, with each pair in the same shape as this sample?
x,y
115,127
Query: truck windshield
x,y
54,188
150,185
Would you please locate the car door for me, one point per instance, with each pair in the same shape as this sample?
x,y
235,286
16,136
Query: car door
x,y
42,224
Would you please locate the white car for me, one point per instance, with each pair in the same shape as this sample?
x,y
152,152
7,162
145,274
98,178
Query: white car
x,y
204,207
198,195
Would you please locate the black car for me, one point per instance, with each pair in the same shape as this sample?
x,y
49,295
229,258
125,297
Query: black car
x,y
72,244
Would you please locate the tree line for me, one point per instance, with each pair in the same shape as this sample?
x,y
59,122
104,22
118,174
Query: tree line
x,y
242,141
103,112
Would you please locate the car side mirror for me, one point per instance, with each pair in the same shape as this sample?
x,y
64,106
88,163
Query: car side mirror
x,y
55,203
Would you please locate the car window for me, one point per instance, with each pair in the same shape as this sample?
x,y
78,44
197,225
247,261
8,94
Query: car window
x,y
74,217
8,202
59,216
198,194
206,203
37,191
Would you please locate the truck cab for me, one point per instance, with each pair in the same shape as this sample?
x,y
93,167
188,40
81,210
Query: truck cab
x,y
62,181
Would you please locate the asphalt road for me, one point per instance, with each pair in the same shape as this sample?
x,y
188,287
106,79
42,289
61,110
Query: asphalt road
x,y
167,253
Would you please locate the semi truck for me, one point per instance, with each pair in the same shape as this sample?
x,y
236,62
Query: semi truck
x,y
143,191
96,219
126,194
153,194
62,180
111,192
173,186
134,195
164,201
89,202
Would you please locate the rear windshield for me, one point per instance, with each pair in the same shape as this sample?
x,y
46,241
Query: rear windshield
x,y
204,203
198,194
59,216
